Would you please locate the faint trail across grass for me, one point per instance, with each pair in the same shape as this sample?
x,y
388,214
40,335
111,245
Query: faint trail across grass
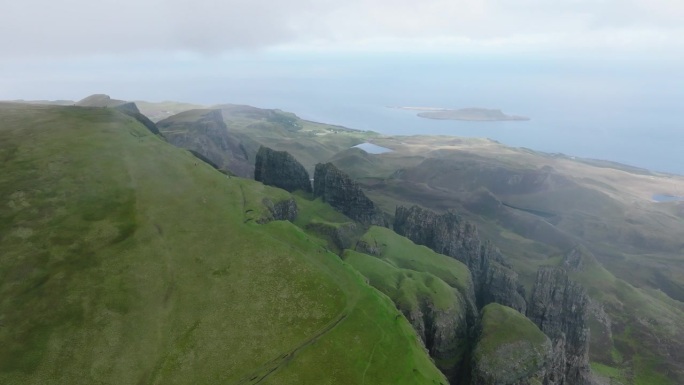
x,y
270,367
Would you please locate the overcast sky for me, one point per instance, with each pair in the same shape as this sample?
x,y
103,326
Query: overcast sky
x,y
71,48
85,27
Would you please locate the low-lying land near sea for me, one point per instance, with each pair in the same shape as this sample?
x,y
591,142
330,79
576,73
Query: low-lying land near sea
x,y
468,114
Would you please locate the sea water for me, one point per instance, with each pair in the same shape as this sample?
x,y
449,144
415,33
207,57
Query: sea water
x,y
624,109
628,112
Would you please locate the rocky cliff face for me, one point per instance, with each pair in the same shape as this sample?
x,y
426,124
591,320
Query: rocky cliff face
x,y
451,235
344,195
280,169
137,115
339,236
559,308
445,334
285,210
204,132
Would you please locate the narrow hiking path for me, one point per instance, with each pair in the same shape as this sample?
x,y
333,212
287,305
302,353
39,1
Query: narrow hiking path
x,y
375,346
272,366
346,285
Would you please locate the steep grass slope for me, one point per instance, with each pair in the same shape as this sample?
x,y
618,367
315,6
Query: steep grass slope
x,y
125,260
642,343
510,350
434,292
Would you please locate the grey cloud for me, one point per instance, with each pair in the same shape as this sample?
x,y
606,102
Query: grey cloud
x,y
46,27
110,26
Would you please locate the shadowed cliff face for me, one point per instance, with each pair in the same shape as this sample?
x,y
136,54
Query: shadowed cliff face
x,y
559,308
451,235
344,195
280,169
204,132
446,335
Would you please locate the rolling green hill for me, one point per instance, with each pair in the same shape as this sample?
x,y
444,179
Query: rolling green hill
x,y
126,260
537,208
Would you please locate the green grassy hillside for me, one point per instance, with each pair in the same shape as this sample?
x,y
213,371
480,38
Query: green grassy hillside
x,y
125,260
402,253
407,288
433,291
511,349
646,330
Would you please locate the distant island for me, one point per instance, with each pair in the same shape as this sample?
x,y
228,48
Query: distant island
x,y
469,114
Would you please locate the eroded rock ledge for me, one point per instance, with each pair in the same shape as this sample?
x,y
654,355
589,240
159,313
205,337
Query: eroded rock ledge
x,y
337,189
280,169
559,308
451,235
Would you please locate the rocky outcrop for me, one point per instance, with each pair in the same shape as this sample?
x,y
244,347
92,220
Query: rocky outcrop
x,y
128,108
498,282
102,100
370,248
339,236
344,195
578,258
511,350
285,210
451,235
445,334
280,169
559,308
205,132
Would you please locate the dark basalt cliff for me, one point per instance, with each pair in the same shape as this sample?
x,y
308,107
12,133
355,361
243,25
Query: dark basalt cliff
x,y
344,195
205,132
137,115
451,235
446,334
280,169
559,307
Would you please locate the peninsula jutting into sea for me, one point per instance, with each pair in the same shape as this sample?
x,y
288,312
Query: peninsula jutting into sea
x,y
468,114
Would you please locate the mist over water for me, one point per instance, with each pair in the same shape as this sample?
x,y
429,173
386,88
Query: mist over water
x,y
629,113
624,109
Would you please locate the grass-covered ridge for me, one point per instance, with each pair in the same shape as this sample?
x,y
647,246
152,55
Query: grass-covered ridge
x,y
402,253
124,260
407,288
434,292
510,347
